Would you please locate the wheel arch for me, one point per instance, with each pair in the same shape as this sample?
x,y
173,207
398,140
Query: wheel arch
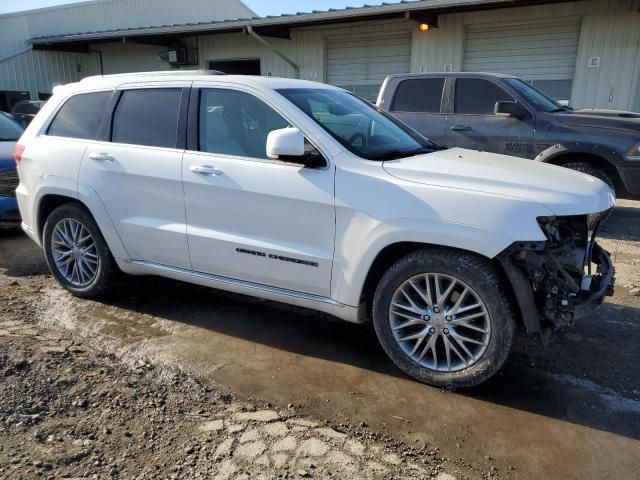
x,y
49,201
594,155
518,296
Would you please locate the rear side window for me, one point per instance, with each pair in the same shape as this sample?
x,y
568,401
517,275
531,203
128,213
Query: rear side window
x,y
147,117
81,116
418,95
477,96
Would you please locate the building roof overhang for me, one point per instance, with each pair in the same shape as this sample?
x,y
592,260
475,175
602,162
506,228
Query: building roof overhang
x,y
274,26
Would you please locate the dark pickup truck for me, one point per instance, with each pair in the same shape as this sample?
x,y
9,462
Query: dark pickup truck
x,y
503,114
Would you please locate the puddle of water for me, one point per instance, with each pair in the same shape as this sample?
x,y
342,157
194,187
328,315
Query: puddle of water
x,y
336,370
613,400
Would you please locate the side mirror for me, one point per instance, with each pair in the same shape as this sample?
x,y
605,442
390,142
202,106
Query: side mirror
x,y
288,145
285,142
510,109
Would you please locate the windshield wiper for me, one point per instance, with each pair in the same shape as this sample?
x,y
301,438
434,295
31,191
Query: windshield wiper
x,y
397,153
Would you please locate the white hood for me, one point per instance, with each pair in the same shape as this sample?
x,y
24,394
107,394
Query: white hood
x,y
563,191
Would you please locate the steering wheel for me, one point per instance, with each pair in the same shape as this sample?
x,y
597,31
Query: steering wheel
x,y
355,136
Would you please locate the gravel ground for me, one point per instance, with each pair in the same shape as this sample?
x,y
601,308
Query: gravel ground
x,y
164,379
70,410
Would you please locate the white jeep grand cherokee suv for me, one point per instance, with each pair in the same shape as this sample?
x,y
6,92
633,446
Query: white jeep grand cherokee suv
x,y
306,194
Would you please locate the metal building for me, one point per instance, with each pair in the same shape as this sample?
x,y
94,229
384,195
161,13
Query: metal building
x,y
586,52
29,72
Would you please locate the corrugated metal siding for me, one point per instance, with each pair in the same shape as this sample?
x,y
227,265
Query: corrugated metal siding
x,y
306,47
534,50
367,60
37,72
116,14
610,30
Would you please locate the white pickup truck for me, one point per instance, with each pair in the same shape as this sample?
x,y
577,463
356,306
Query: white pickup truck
x,y
302,193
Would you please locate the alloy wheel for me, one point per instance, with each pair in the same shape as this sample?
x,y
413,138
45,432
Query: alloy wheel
x,y
74,252
440,322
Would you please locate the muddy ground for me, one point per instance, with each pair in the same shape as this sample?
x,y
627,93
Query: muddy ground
x,y
161,379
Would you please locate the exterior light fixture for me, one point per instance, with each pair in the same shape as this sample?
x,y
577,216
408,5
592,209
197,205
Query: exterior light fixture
x,y
423,27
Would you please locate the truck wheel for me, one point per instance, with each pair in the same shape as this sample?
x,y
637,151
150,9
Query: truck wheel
x,y
589,169
76,252
443,318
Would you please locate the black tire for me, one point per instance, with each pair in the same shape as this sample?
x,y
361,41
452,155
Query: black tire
x,y
589,169
107,269
478,274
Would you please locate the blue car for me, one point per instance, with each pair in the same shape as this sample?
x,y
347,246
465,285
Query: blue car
x,y
10,132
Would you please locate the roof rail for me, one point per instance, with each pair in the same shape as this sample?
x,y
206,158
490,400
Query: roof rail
x,y
161,73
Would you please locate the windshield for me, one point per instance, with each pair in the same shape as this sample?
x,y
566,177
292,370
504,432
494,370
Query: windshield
x,y
359,126
535,97
10,131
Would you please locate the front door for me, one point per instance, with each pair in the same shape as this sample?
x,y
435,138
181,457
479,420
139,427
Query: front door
x,y
474,124
248,217
138,175
417,102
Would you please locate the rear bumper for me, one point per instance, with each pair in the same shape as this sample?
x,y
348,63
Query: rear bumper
x,y
630,177
9,213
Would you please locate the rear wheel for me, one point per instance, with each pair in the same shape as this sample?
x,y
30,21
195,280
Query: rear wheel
x,y
76,252
442,317
592,170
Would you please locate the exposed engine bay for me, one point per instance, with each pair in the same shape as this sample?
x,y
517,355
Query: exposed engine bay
x,y
565,275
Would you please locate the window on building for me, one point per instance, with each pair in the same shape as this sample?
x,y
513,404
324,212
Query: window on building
x,y
477,96
147,117
418,95
236,123
81,116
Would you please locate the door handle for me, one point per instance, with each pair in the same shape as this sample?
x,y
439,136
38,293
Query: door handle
x,y
101,157
460,128
205,170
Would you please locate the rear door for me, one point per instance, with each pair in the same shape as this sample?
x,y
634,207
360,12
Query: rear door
x,y
419,102
136,172
252,218
474,125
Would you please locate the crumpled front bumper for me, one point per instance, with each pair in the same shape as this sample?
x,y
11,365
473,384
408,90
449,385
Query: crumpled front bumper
x,y
546,306
598,286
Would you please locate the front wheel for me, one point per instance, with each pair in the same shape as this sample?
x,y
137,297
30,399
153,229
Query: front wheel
x,y
77,253
443,318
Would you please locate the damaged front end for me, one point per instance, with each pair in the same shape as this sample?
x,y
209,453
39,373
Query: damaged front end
x,y
559,280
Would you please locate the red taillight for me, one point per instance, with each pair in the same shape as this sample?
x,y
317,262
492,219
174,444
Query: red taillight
x,y
17,152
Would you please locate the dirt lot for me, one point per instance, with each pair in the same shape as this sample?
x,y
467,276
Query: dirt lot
x,y
163,379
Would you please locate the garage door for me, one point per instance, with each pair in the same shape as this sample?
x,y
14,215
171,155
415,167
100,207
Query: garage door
x,y
543,53
360,64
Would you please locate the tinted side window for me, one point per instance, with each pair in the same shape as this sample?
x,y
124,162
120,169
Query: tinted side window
x,y
236,123
30,108
147,117
80,116
420,95
477,96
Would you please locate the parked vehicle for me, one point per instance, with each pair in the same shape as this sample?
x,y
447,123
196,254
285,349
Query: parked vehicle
x,y
303,193
10,132
503,114
26,110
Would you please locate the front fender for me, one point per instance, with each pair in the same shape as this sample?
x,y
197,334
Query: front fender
x,y
485,242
